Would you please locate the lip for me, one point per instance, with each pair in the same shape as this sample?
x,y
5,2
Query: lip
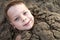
x,y
27,23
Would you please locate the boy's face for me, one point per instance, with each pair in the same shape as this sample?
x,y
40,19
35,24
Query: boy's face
x,y
20,17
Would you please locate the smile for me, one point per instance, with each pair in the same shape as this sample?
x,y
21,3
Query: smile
x,y
27,23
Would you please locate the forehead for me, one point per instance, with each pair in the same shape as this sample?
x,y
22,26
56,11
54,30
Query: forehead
x,y
19,8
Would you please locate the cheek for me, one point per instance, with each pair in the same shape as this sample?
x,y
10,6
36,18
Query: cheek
x,y
17,24
30,15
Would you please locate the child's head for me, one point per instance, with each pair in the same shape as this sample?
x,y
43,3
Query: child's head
x,y
19,15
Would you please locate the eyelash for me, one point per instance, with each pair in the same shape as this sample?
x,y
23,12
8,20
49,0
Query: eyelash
x,y
24,13
16,18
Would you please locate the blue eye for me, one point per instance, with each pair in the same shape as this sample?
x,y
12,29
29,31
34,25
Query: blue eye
x,y
16,19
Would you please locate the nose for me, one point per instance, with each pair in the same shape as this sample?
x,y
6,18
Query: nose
x,y
23,18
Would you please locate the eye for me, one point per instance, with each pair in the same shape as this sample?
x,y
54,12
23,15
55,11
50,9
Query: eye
x,y
24,13
16,19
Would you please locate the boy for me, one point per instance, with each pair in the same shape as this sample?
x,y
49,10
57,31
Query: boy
x,y
19,16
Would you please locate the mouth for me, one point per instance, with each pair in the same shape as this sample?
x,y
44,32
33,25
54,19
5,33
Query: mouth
x,y
27,23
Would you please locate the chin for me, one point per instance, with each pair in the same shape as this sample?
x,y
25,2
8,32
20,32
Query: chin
x,y
30,27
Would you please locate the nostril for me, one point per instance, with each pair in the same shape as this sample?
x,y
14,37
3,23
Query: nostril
x,y
24,19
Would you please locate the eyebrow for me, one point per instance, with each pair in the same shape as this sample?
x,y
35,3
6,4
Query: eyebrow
x,y
17,14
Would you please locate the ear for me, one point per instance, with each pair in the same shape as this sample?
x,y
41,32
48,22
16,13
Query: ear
x,y
12,25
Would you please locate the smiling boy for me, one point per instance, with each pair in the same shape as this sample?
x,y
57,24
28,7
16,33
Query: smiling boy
x,y
19,16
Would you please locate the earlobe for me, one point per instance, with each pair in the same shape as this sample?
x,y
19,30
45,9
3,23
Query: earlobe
x,y
13,25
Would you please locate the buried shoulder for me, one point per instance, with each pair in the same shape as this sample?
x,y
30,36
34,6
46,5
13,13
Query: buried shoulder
x,y
48,27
